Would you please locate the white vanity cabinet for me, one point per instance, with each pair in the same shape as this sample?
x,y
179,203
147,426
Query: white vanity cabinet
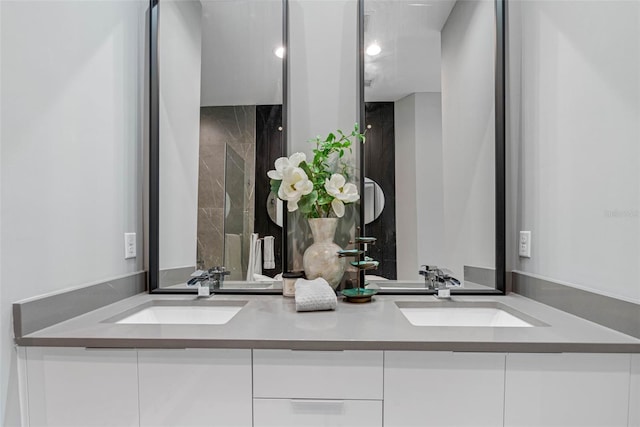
x,y
634,392
69,387
317,388
443,389
567,389
195,387
284,388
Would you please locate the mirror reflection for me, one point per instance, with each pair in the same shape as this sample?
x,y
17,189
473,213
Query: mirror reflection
x,y
220,85
429,109
373,200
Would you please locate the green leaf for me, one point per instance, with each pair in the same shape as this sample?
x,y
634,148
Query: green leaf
x,y
324,199
306,202
275,185
305,167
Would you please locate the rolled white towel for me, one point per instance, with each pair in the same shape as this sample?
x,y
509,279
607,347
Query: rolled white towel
x,y
315,295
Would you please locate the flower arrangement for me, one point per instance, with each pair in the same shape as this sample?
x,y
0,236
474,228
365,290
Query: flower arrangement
x,y
320,188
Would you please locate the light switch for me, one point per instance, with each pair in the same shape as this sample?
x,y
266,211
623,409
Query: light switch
x,y
524,247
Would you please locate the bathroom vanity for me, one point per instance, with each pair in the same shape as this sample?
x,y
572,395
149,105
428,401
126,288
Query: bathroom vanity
x,y
267,365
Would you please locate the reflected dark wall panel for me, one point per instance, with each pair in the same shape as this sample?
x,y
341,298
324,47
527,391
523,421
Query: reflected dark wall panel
x,y
269,146
379,158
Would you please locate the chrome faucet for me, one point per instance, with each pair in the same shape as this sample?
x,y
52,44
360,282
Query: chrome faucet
x,y
210,281
216,277
438,280
431,274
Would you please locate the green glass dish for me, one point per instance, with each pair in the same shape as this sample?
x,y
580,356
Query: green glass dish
x,y
350,252
365,239
365,265
359,294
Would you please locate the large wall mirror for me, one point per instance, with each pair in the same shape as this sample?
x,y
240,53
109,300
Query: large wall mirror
x,y
433,105
218,83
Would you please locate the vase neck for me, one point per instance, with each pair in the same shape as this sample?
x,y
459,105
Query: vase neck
x,y
323,229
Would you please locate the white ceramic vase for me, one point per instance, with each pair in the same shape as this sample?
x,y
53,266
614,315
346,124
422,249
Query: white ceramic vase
x,y
321,258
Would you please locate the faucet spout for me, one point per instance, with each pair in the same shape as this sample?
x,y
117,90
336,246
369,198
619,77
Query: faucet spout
x,y
438,280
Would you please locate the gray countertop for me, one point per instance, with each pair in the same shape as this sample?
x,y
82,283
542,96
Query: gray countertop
x,y
270,321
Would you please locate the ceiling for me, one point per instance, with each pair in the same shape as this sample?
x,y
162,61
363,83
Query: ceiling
x,y
239,66
408,31
239,37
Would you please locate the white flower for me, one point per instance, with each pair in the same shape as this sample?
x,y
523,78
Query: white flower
x,y
283,162
342,192
295,184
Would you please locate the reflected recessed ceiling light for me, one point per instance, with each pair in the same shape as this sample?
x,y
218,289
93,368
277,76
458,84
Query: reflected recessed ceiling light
x,y
279,52
420,4
373,49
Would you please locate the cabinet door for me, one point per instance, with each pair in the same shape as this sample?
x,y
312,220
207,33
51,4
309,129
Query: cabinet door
x,y
443,389
79,387
568,389
195,387
317,413
634,396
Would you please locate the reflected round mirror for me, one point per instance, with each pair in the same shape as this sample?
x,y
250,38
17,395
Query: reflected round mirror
x,y
275,209
373,200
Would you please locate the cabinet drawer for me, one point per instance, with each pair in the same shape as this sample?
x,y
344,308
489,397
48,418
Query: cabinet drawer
x,y
316,413
317,374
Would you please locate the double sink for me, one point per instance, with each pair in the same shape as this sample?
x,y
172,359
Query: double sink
x,y
419,313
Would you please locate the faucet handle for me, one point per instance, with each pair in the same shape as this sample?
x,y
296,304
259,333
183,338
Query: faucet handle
x,y
430,271
425,269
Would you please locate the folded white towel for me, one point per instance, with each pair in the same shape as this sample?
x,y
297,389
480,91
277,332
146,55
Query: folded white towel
x,y
257,267
269,255
255,257
315,295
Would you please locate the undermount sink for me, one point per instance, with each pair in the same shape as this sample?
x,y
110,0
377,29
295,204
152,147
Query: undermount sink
x,y
164,312
466,314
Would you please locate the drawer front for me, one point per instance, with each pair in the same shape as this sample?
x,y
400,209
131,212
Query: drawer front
x,y
317,374
316,413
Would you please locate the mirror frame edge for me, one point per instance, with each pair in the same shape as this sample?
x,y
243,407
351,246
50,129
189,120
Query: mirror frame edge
x,y
500,148
153,254
361,119
500,166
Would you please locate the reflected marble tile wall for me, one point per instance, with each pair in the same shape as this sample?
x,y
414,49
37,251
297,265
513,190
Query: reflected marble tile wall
x,y
229,130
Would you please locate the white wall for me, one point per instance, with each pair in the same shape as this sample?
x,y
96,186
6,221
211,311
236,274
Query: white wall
x,y
179,63
71,152
468,132
578,157
419,183
323,85
430,178
406,214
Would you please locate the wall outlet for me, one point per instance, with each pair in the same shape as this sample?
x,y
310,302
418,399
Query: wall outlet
x,y
524,247
129,245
